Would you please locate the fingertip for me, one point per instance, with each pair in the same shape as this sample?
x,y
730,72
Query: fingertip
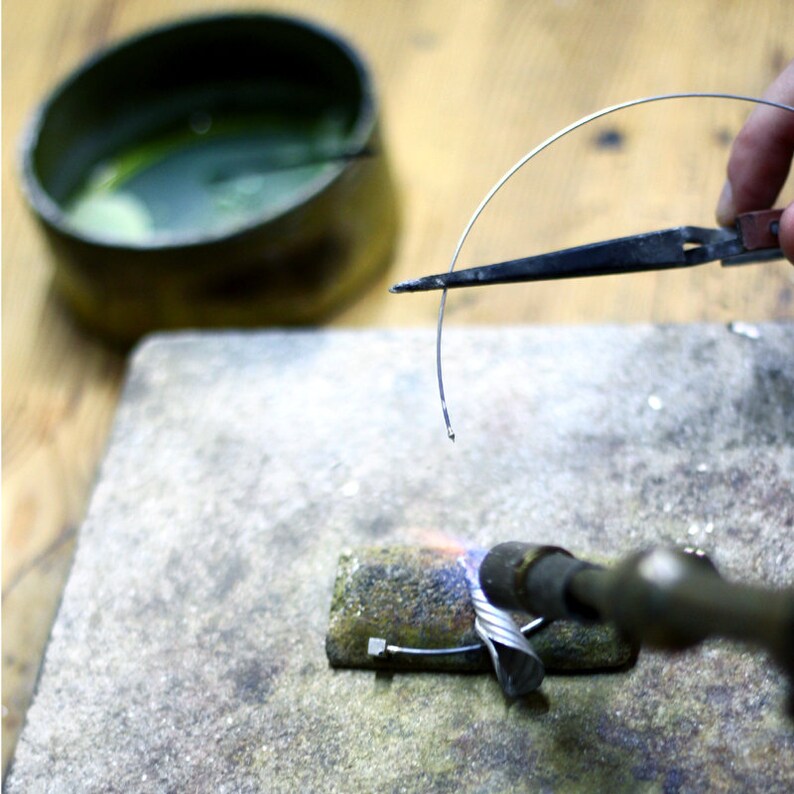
x,y
726,209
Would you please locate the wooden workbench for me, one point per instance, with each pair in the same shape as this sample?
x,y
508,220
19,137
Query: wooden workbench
x,y
467,88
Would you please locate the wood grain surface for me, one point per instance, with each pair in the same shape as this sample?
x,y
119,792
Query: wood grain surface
x,y
466,88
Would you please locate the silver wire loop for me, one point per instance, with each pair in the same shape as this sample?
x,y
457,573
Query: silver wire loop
x,y
518,668
379,648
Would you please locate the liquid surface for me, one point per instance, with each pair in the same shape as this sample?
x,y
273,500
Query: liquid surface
x,y
212,176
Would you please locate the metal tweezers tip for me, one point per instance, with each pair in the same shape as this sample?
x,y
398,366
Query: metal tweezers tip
x,y
422,284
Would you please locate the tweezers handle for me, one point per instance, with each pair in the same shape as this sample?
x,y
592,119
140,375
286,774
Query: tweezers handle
x,y
759,229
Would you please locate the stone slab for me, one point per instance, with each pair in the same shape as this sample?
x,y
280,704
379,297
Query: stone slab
x,y
188,654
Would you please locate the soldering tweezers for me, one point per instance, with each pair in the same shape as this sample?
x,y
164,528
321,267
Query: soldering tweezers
x,y
754,238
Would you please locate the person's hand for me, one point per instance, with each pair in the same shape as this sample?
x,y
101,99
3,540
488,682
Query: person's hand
x,y
760,160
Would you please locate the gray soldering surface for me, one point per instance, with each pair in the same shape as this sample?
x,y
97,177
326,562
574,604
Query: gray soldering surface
x,y
188,654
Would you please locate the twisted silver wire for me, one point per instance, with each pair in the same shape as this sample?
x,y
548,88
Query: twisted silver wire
x,y
518,668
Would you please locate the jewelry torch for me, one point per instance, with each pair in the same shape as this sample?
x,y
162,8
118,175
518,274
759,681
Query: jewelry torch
x,y
665,598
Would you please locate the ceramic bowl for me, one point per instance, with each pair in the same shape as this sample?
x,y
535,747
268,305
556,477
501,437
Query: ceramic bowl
x,y
220,171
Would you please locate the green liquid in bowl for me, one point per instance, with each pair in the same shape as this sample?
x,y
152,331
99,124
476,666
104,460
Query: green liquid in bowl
x,y
213,176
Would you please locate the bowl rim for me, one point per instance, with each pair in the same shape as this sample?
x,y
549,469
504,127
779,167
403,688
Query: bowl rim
x,y
51,212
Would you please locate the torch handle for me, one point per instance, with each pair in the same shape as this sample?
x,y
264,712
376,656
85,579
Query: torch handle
x,y
664,598
668,598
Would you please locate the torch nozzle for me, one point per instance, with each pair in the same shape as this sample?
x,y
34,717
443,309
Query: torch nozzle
x,y
535,579
663,597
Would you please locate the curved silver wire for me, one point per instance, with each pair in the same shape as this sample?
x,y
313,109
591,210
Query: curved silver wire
x,y
537,150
